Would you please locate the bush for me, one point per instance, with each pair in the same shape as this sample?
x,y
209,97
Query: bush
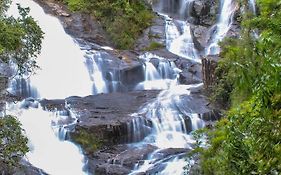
x,y
154,46
247,140
13,144
123,20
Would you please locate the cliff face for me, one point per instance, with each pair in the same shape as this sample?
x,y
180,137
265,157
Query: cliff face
x,y
209,65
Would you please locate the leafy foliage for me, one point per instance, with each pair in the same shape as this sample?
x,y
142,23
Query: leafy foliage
x,y
13,145
20,39
248,140
89,141
123,20
154,46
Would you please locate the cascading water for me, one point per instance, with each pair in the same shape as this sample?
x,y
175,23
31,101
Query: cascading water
x,y
168,128
178,35
225,20
160,122
63,73
61,62
179,41
47,152
252,4
160,74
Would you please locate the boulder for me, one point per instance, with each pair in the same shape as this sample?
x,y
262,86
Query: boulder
x,y
76,24
106,116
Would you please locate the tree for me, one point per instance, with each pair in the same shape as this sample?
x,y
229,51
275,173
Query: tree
x,y
13,145
20,39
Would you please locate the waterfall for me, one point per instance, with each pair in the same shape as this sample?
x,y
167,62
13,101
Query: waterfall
x,y
47,152
160,75
252,4
181,44
62,63
225,20
63,73
169,129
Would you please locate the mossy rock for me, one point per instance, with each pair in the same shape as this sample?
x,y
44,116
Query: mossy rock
x,y
87,140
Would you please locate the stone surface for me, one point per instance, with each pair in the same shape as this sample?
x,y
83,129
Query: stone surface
x,y
104,115
78,25
155,33
209,65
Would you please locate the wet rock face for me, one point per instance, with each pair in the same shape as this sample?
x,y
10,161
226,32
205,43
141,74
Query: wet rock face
x,y
191,71
155,33
106,116
78,25
204,12
24,167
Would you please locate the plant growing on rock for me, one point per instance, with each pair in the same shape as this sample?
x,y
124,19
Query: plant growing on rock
x,y
123,20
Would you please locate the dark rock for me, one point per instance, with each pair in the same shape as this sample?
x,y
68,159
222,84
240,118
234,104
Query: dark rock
x,y
155,62
204,12
209,65
111,169
104,115
133,155
155,33
200,35
76,24
191,71
23,167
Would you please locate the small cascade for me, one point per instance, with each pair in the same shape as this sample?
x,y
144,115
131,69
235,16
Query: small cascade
x,y
160,73
169,127
225,20
47,152
180,41
168,122
176,8
138,128
94,61
252,4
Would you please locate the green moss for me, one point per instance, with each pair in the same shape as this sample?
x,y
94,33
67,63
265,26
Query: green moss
x,y
123,20
154,46
88,141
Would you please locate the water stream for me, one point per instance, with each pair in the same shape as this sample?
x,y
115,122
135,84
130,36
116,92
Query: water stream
x,y
82,75
225,20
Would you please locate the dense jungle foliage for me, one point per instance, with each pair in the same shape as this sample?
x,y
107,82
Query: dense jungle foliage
x,y
123,20
248,140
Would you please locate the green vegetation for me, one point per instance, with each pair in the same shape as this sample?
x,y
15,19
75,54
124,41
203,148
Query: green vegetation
x,y
154,46
248,140
88,141
123,20
20,39
13,144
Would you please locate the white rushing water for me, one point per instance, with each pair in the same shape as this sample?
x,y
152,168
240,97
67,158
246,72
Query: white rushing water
x,y
162,76
168,128
179,40
47,152
225,20
252,4
63,71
